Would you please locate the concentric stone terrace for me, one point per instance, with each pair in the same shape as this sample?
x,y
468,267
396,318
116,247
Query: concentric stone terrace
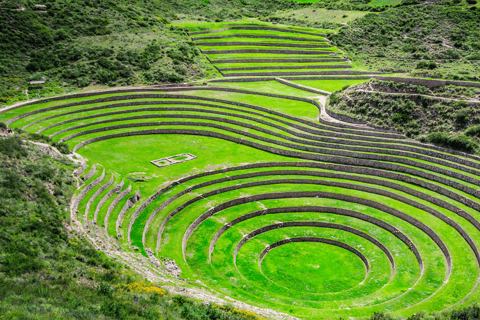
x,y
280,209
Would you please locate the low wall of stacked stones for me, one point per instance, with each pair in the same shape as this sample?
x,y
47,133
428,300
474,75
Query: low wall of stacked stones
x,y
139,96
394,231
114,203
293,73
85,190
80,169
312,194
430,83
314,239
323,66
252,36
304,88
96,194
337,127
129,204
279,51
323,138
343,117
276,60
339,168
263,44
349,186
316,224
116,189
328,149
257,28
336,175
295,154
91,173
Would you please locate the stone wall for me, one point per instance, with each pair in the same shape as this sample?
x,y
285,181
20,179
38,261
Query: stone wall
x,y
84,191
430,83
322,66
277,51
95,195
116,189
120,196
91,173
316,224
318,147
343,212
335,175
257,28
252,36
276,60
317,157
262,44
343,117
317,194
314,239
294,73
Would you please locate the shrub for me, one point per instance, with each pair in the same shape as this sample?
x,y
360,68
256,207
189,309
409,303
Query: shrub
x,y
454,141
462,117
3,125
422,65
473,131
432,65
12,147
472,1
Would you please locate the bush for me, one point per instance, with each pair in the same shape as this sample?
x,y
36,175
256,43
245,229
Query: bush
x,y
12,147
473,131
422,65
462,117
3,125
472,1
454,141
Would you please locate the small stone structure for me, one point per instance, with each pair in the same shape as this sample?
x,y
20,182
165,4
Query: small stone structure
x,y
168,161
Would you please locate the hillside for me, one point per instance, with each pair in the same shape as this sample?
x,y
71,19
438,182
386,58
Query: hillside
x,y
239,160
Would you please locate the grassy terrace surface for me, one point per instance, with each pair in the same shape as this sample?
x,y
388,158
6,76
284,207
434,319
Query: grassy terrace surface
x,y
280,209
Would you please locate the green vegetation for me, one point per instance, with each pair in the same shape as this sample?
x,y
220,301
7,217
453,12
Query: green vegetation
x,y
414,109
439,41
49,271
280,135
283,211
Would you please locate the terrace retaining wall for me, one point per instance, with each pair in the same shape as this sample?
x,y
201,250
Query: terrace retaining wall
x,y
335,168
116,189
295,154
293,73
343,212
95,195
257,28
319,194
114,203
279,51
316,224
314,239
276,60
322,66
251,36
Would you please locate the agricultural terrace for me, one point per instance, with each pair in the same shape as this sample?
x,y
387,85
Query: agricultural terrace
x,y
258,199
250,50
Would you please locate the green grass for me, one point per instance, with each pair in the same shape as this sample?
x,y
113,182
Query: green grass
x,y
307,280
328,85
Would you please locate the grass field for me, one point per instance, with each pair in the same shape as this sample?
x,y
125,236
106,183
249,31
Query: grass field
x,y
280,209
